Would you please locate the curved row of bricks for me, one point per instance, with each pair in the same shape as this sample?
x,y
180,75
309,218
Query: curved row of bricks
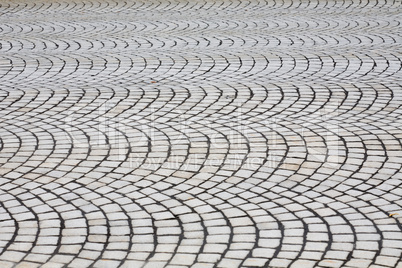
x,y
200,134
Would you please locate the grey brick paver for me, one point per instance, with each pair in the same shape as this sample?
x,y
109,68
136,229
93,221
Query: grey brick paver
x,y
200,133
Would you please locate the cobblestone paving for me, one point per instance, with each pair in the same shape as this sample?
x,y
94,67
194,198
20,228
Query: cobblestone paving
x,y
200,134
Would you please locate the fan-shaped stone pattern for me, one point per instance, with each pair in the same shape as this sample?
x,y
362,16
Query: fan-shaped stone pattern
x,y
200,133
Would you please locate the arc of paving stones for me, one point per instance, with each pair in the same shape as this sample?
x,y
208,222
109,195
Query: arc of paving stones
x,y
200,134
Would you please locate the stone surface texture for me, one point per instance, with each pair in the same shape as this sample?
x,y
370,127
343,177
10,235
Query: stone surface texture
x,y
176,133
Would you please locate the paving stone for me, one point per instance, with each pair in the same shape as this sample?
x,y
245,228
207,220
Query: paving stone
x,y
200,134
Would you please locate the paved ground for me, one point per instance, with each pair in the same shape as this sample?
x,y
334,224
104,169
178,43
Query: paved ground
x,y
200,134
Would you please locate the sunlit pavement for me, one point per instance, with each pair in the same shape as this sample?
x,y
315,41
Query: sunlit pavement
x,y
200,134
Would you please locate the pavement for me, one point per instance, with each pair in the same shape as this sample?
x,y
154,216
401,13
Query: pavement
x,y
189,133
